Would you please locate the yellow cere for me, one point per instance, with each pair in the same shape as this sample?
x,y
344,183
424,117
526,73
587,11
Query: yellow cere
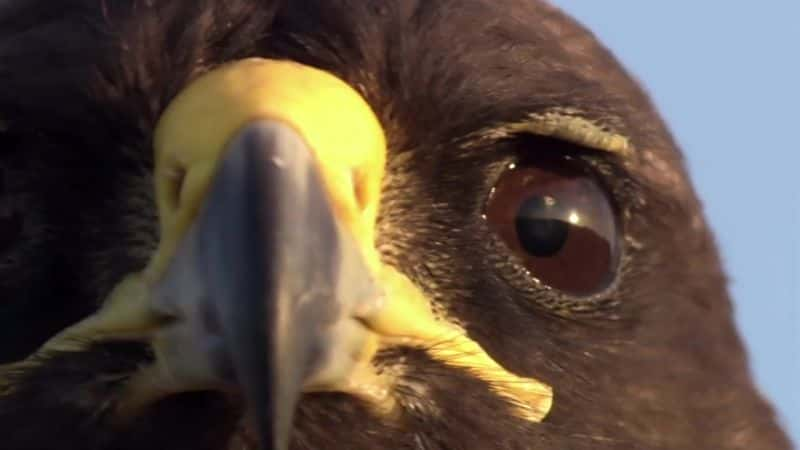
x,y
350,149
334,120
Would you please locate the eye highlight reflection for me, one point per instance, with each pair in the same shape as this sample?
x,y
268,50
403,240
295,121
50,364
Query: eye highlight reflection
x,y
560,222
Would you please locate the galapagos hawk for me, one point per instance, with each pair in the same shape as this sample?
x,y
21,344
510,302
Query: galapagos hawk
x,y
349,225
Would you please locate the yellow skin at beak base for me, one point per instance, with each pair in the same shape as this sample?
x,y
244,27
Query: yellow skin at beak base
x,y
349,145
333,119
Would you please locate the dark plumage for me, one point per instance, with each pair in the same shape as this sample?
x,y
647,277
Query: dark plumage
x,y
653,362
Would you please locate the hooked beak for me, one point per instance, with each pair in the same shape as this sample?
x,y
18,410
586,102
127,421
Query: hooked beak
x,y
266,280
267,292
266,269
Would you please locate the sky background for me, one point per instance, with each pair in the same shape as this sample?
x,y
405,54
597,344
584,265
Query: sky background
x,y
726,77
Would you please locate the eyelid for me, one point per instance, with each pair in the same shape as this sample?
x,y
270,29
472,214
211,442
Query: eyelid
x,y
612,174
575,129
609,168
565,124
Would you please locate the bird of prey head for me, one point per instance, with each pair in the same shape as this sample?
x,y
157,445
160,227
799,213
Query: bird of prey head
x,y
349,225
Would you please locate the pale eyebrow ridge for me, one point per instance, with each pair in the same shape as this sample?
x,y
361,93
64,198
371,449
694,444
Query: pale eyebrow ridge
x,y
566,124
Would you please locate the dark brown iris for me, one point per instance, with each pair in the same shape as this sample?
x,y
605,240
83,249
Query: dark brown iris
x,y
560,223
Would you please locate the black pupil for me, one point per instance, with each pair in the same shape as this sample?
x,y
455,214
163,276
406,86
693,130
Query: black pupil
x,y
538,235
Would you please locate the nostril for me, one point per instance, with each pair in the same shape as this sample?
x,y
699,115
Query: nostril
x,y
176,177
359,189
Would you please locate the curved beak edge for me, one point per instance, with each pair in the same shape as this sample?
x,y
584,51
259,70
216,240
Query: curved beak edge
x,y
265,291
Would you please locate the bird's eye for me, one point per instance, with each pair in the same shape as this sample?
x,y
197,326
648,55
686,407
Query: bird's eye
x,y
560,223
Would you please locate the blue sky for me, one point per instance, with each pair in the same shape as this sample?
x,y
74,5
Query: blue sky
x,y
726,76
